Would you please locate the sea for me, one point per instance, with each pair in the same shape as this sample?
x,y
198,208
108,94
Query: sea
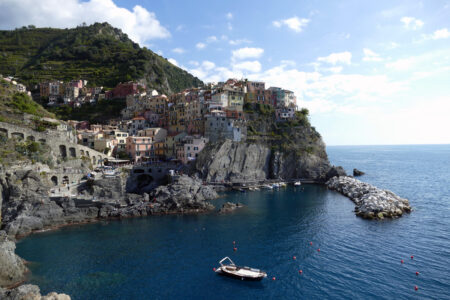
x,y
280,232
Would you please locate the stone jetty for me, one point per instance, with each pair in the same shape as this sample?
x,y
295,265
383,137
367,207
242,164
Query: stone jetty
x,y
370,201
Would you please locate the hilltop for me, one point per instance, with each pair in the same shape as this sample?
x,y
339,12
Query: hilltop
x,y
100,53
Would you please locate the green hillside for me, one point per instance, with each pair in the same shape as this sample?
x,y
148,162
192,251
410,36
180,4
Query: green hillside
x,y
99,53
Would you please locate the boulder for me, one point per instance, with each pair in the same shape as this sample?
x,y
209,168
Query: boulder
x,y
30,292
229,207
357,172
12,268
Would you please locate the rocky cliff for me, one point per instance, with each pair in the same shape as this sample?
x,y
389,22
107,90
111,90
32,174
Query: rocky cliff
x,y
273,150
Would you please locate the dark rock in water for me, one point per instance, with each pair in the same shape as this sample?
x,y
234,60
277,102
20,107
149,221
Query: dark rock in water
x,y
29,292
229,207
357,172
335,171
12,268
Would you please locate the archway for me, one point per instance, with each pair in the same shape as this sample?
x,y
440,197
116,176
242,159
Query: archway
x,y
62,150
30,138
93,160
65,180
42,141
72,152
144,180
17,135
4,132
54,180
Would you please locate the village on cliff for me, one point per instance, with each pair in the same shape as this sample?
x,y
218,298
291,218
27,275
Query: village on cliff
x,y
157,128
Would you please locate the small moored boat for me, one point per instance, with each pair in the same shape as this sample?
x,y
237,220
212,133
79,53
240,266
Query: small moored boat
x,y
297,183
243,273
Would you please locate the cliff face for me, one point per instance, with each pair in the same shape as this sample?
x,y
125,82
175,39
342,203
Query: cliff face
x,y
273,150
234,161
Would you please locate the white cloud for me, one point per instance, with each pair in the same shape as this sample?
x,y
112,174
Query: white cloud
x,y
335,58
294,23
251,66
138,23
173,61
180,27
286,62
208,65
369,55
159,52
244,53
335,69
178,50
200,45
239,42
229,16
229,26
403,64
441,34
211,39
412,23
194,62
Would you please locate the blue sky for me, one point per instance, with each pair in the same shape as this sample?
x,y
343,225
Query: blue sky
x,y
371,72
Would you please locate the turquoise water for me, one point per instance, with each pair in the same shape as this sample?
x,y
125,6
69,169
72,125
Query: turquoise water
x,y
172,257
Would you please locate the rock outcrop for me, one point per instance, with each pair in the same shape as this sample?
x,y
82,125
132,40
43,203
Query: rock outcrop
x,y
29,292
229,207
184,194
238,162
370,201
12,268
357,172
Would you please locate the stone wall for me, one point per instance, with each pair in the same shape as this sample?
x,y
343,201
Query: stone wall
x,y
62,143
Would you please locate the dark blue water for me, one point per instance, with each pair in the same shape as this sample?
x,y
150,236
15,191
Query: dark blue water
x,y
171,257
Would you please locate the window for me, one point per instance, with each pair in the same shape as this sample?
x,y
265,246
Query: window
x,y
195,148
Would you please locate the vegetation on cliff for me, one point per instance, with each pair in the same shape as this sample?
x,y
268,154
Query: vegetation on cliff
x,y
99,53
295,135
14,104
99,112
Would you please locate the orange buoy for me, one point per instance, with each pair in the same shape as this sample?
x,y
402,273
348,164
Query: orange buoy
x,y
412,256
214,269
417,273
416,287
234,242
300,272
310,243
273,278
294,258
401,261
234,248
318,250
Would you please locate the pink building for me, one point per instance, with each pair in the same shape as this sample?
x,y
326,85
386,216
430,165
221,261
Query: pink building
x,y
193,145
142,146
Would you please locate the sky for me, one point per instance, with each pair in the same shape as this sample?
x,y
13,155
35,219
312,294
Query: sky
x,y
370,72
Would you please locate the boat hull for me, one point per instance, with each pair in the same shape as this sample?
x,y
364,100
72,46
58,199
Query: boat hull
x,y
240,277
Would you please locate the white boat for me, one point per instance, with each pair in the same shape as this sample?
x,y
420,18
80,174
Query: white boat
x,y
109,172
276,185
242,273
297,183
267,186
282,184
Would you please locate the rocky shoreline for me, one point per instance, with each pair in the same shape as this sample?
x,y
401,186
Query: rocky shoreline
x,y
370,201
27,208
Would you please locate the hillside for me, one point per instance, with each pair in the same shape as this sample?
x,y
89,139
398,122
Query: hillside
x,y
99,53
